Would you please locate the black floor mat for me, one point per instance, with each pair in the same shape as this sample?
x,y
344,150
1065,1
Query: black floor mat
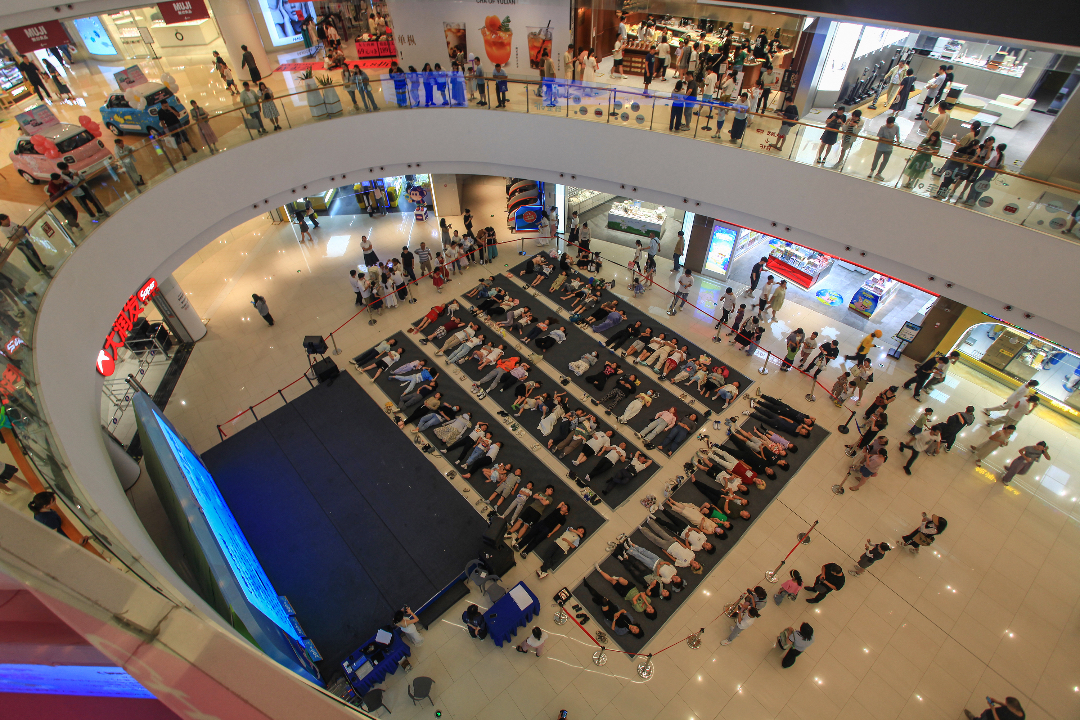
x,y
514,450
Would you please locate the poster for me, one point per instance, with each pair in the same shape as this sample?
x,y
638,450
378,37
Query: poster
x,y
93,35
36,119
455,39
721,242
283,20
129,78
539,40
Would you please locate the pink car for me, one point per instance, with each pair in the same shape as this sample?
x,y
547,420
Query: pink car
x,y
78,148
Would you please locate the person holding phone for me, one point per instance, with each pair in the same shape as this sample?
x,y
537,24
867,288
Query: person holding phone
x,y
1008,710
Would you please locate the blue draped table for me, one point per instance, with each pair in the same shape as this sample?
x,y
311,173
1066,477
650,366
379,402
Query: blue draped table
x,y
505,617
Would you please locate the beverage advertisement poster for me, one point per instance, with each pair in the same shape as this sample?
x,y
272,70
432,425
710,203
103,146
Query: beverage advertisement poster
x,y
284,20
455,39
539,41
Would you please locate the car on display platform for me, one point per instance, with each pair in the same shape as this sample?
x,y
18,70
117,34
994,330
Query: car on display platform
x,y
120,118
77,147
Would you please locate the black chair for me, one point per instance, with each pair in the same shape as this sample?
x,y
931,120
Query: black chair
x,y
373,701
421,690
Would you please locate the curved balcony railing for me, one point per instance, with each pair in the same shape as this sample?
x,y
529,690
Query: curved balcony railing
x,y
57,228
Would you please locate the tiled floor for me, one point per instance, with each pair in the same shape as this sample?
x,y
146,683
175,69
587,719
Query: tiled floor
x,y
990,609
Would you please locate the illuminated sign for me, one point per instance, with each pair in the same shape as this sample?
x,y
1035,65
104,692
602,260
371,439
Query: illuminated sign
x,y
179,11
125,321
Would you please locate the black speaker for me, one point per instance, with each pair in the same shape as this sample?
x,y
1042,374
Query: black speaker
x,y
494,534
498,560
315,345
325,370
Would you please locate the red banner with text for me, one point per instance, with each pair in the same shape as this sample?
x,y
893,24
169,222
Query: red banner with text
x,y
29,38
178,11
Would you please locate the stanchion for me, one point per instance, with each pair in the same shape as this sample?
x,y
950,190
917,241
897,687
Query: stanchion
x,y
804,538
282,397
599,657
813,386
337,350
371,316
694,641
221,433
561,617
764,370
844,429
645,669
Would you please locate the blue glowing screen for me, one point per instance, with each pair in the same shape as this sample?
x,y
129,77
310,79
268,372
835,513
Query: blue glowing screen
x,y
70,680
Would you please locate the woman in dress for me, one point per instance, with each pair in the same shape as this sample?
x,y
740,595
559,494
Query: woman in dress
x,y
588,62
428,76
777,300
406,620
457,87
370,258
906,86
269,107
451,431
439,75
202,120
923,159
829,136
414,85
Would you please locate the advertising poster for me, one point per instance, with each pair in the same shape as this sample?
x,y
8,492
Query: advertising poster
x,y
283,20
721,243
539,40
455,39
130,77
93,35
36,119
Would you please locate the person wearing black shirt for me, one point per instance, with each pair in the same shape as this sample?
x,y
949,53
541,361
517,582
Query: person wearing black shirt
x,y
545,527
953,425
829,579
407,259
33,76
780,422
1008,710
923,373
624,387
872,554
755,276
44,508
945,86
791,114
475,622
170,124
828,352
620,338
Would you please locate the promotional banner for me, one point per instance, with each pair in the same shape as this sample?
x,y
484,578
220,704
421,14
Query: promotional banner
x,y
178,11
29,38
283,20
130,77
36,119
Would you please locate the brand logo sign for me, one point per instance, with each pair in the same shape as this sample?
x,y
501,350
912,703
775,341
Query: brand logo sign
x,y
179,11
29,38
125,321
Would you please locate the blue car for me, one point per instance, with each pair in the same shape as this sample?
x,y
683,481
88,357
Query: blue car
x,y
119,117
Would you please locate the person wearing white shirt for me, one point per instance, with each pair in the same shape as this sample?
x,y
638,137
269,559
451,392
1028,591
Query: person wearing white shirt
x,y
680,554
743,620
686,281
708,86
1018,394
663,55
534,642
617,57
357,287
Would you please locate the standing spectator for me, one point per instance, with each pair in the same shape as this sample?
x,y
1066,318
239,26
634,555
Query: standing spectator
x,y
1008,710
82,191
424,256
202,120
791,115
1019,410
406,620
923,159
850,129
829,579
475,622
248,61
871,554
548,75
260,304
534,642
953,424
888,136
809,345
738,123
363,87
357,286
253,105
830,134
744,619
996,440
931,90
680,248
875,457
931,526
755,276
33,76
923,372
686,281
777,300
677,98
56,189
21,236
654,249
796,643
926,441
269,108
370,258
790,588
794,340
407,262
1022,463
500,77
481,83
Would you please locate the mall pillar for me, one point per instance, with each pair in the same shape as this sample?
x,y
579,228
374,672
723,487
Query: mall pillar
x,y
447,195
237,26
180,316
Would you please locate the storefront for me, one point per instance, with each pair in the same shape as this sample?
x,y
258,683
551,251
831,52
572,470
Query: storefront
x,y
145,32
399,194
1014,356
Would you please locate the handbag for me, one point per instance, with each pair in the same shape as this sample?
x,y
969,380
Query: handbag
x,y
784,639
923,539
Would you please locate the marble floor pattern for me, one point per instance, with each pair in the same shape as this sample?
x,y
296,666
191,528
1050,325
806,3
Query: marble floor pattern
x,y
990,609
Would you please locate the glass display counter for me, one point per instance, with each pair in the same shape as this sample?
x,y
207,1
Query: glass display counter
x,y
582,200
322,200
800,265
875,292
632,217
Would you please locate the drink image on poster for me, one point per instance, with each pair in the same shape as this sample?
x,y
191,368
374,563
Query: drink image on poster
x,y
455,39
539,40
497,38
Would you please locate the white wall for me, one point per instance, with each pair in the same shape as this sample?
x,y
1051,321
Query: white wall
x,y
990,262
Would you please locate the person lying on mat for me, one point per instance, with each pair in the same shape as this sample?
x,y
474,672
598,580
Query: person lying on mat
x,y
780,407
638,599
495,300
690,537
780,422
609,610
534,507
375,353
483,289
594,446
756,462
639,462
387,361
718,507
696,517
678,434
551,339
564,545
532,263
681,555
664,570
507,482
428,405
609,455
765,451
643,577
482,461
406,403
717,472
547,526
450,326
770,436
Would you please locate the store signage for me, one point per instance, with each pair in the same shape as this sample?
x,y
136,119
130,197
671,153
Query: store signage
x,y
125,321
129,78
179,11
376,49
11,377
36,119
13,344
29,38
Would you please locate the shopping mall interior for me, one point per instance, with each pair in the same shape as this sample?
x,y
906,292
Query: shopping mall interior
x,y
365,436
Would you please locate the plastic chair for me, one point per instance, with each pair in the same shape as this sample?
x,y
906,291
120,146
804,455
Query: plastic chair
x,y
374,700
421,689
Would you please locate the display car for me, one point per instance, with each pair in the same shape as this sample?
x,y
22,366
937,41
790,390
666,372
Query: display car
x,y
77,147
119,117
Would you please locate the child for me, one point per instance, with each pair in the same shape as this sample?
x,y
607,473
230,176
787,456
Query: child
x,y
790,588
871,554
839,388
637,286
227,76
650,271
921,422
558,282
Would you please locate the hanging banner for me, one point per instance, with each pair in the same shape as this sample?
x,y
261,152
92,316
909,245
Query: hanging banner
x,y
29,38
178,11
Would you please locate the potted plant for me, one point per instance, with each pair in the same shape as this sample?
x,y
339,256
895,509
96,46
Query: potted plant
x,y
330,96
315,100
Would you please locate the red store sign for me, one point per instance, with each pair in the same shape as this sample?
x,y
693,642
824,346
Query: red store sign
x,y
178,11
125,321
29,38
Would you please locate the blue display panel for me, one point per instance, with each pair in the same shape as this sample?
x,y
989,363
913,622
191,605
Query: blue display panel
x,y
721,243
93,34
92,681
245,567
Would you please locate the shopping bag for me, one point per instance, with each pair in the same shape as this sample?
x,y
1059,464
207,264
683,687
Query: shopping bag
x,y
170,141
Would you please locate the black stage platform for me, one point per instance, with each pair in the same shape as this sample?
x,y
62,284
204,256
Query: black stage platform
x,y
348,517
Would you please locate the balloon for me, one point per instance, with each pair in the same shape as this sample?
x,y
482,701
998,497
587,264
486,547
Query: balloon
x,y
45,146
90,126
52,153
170,82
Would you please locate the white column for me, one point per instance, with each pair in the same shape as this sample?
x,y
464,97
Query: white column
x,y
237,26
179,309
